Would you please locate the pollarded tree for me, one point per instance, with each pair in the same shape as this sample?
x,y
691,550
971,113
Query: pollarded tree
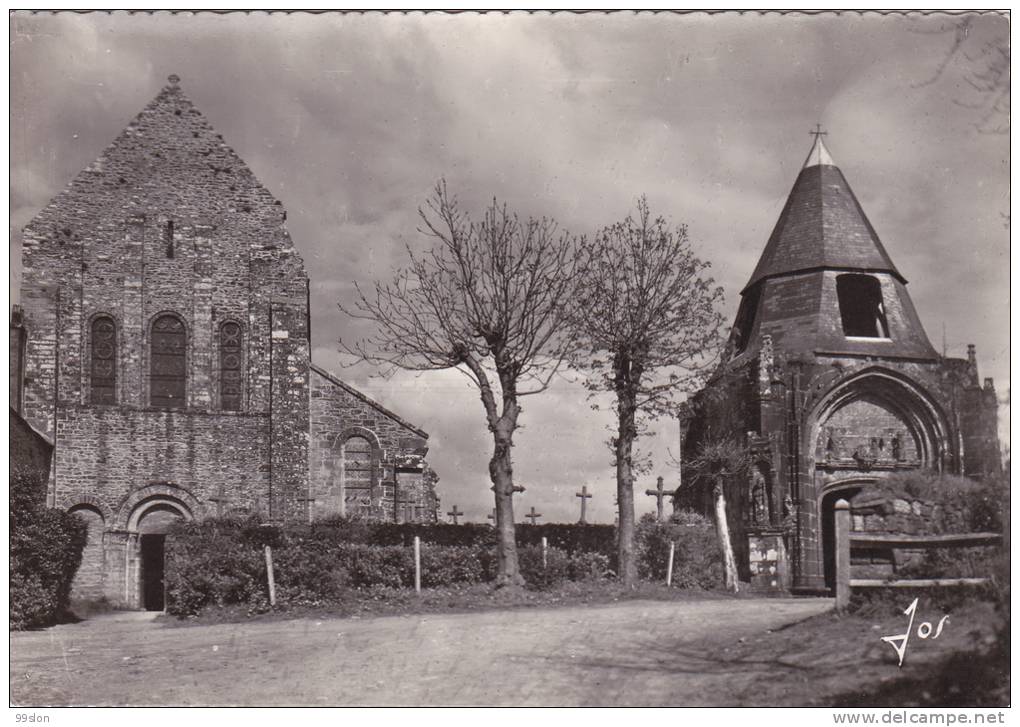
x,y
648,322
716,460
491,299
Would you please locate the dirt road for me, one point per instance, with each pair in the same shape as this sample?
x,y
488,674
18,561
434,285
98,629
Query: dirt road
x,y
637,653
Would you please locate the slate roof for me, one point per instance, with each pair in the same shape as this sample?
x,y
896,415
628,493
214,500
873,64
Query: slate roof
x,y
822,226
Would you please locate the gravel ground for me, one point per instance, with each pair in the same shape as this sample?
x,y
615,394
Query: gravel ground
x,y
635,653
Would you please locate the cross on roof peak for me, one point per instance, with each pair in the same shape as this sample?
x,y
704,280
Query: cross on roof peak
x,y
819,155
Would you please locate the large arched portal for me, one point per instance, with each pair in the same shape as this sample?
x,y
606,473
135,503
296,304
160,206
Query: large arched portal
x,y
865,428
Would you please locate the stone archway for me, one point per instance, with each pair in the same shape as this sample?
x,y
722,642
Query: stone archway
x,y
866,427
147,526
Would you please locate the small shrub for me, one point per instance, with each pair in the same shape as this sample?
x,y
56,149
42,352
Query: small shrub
x,y
588,566
446,565
212,563
556,569
307,573
696,559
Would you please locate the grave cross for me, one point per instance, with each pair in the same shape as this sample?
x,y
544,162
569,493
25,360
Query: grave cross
x,y
583,494
220,499
309,500
533,516
455,513
492,516
658,493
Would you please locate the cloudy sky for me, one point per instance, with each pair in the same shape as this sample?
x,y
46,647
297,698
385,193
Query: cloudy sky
x,y
350,120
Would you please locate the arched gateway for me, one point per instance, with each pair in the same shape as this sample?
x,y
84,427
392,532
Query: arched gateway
x,y
869,425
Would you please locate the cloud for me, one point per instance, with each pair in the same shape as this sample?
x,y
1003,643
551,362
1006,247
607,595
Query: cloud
x,y
350,119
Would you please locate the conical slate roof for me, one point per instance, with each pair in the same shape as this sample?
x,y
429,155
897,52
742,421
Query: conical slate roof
x,y
822,226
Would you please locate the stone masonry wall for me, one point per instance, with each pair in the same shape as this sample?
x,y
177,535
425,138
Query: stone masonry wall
x,y
398,456
103,455
168,219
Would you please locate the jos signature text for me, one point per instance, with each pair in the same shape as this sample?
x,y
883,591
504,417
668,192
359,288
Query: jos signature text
x,y
924,631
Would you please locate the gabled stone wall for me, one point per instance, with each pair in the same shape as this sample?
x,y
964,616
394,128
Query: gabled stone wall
x,y
402,487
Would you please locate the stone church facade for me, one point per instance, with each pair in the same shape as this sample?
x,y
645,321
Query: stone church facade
x,y
831,382
163,348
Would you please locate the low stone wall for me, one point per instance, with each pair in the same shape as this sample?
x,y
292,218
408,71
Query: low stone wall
x,y
889,514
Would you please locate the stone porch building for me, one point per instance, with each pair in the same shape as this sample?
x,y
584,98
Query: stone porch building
x,y
831,381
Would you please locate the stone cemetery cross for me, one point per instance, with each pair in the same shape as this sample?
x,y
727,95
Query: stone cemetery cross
x,y
659,494
308,500
219,500
454,513
492,516
583,494
533,516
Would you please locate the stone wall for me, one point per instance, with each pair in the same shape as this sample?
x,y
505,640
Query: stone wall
x,y
168,219
400,487
103,455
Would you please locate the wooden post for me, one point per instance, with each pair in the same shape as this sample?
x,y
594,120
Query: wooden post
x,y
669,567
842,545
417,564
270,577
545,552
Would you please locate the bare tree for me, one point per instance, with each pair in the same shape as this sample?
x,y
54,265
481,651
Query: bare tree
x,y
490,299
979,57
716,460
648,317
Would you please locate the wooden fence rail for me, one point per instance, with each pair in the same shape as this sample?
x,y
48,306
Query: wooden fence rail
x,y
845,539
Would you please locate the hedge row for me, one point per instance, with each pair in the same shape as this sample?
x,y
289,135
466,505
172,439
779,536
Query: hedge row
x,y
568,537
221,562
46,549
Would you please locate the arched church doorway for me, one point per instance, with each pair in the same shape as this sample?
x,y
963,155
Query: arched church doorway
x,y
153,522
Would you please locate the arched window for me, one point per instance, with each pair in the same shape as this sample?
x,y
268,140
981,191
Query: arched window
x,y
167,371
356,474
103,376
230,366
860,306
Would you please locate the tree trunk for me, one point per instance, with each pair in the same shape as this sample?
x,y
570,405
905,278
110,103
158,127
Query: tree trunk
x,y
501,472
625,490
722,528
